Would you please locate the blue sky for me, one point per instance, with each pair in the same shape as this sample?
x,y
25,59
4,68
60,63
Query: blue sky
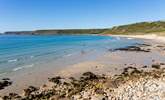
x,y
17,15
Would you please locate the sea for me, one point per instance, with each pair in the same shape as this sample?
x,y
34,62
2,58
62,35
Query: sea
x,y
21,52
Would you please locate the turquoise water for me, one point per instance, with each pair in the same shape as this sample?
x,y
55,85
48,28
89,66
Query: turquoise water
x,y
20,51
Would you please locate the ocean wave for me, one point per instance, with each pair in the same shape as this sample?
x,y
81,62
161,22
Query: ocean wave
x,y
18,68
31,57
12,60
118,38
69,55
15,60
23,67
129,38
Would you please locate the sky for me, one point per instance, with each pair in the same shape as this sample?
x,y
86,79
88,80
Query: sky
x,y
20,15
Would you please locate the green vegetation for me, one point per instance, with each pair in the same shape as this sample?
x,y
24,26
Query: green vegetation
x,y
71,31
157,27
138,28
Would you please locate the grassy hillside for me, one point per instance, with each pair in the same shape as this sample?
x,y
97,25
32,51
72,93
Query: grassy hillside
x,y
71,31
157,27
139,28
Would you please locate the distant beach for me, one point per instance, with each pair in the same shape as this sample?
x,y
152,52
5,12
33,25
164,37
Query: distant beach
x,y
153,37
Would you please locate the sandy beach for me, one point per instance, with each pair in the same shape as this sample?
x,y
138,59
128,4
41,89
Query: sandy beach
x,y
110,63
153,37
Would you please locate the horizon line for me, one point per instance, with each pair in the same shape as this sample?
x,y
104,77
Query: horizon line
x,y
81,28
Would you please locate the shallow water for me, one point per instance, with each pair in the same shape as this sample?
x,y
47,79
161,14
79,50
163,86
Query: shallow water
x,y
19,52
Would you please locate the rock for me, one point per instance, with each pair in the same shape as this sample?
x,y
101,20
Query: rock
x,y
132,48
156,66
6,79
12,96
5,83
89,76
162,63
29,90
55,79
144,66
132,84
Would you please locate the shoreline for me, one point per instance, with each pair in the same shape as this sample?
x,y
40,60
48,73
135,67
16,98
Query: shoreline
x,y
153,37
113,62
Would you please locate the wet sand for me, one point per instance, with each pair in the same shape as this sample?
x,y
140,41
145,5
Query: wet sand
x,y
39,74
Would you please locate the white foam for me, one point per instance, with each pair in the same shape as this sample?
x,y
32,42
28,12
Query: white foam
x,y
26,66
118,38
29,66
31,56
129,38
69,55
18,68
12,60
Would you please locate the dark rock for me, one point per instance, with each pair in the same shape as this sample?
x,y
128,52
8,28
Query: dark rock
x,y
29,90
72,78
136,71
105,98
144,66
143,44
131,71
162,63
160,46
132,48
89,75
6,79
156,66
5,83
44,95
126,70
55,79
12,96
65,83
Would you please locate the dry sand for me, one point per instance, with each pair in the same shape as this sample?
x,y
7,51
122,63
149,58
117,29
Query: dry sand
x,y
113,62
148,37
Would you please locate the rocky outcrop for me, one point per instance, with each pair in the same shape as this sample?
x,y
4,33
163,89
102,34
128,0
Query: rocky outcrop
x,y
5,82
131,84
